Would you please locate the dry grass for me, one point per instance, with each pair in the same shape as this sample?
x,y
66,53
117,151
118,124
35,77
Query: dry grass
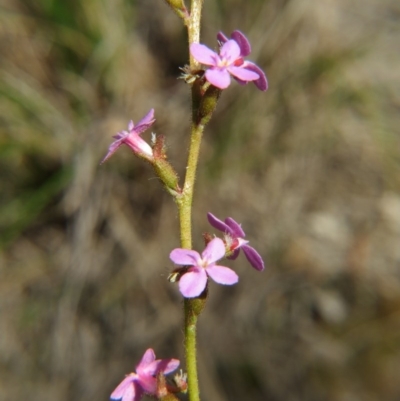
x,y
311,169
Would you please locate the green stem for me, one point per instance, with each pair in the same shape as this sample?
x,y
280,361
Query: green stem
x,y
185,202
185,213
191,310
190,351
194,27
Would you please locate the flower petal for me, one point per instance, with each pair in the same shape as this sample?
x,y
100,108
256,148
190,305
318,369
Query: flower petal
x,y
139,145
123,387
171,365
203,54
221,37
219,224
130,393
230,51
222,274
185,257
235,227
121,134
262,82
241,40
145,123
253,257
220,78
215,250
112,149
148,118
193,283
243,74
148,357
165,365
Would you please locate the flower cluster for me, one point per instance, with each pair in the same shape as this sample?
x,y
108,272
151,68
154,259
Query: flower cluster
x,y
229,61
144,381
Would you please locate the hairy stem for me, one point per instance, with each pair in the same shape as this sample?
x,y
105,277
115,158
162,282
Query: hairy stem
x,y
185,203
185,213
194,27
190,310
190,351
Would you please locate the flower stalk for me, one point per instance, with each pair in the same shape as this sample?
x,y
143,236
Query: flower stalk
x,y
194,28
185,212
208,74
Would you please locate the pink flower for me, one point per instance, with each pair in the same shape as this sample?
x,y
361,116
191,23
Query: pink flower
x,y
144,381
245,50
234,238
229,61
132,138
194,281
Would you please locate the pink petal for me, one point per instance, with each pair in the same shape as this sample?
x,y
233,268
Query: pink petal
x,y
131,393
215,250
203,54
218,224
262,82
185,257
112,149
222,275
221,37
171,365
219,78
193,283
165,365
148,118
145,123
241,40
138,145
123,387
241,242
243,73
121,134
230,51
235,227
148,357
253,257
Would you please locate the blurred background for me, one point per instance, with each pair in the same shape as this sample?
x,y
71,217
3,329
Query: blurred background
x,y
310,168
